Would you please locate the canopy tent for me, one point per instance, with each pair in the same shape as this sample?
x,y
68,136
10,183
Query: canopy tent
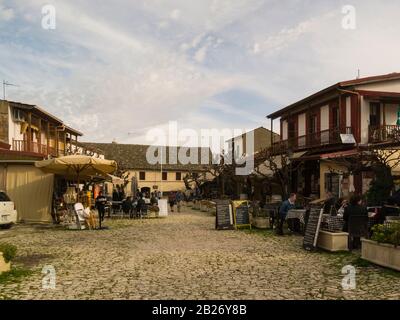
x,y
77,167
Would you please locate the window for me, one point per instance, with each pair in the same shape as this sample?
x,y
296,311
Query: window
x,y
313,124
178,176
165,176
142,175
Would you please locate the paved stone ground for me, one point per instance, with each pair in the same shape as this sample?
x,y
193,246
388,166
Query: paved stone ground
x,y
183,257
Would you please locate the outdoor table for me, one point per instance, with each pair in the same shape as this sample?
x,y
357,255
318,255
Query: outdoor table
x,y
296,214
116,206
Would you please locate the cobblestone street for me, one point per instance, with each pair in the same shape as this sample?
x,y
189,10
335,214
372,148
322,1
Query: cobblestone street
x,y
183,257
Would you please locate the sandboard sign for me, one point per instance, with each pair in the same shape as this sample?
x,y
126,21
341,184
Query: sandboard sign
x,y
241,216
312,229
224,216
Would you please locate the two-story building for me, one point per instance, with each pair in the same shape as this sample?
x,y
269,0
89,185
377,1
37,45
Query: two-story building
x,y
30,130
165,176
262,138
28,133
336,123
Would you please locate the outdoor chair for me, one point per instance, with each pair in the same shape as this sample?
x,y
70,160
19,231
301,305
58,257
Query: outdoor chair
x,y
80,212
357,228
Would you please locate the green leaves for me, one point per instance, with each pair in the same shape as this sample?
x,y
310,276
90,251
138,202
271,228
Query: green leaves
x,y
386,234
9,251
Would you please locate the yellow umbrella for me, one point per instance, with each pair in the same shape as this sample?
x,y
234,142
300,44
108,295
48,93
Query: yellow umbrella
x,y
77,166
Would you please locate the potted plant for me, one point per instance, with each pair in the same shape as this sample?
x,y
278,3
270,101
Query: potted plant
x,y
383,248
7,253
260,218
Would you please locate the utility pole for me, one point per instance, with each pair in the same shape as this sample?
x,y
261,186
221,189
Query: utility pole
x,y
5,84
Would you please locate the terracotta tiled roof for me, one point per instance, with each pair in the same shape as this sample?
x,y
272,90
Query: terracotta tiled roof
x,y
340,85
133,157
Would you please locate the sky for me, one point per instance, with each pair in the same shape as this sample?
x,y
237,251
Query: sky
x,y
117,69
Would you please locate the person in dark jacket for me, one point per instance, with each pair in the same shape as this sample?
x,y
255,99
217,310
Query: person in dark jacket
x,y
101,202
355,208
284,209
140,206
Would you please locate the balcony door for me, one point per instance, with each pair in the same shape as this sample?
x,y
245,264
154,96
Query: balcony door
x,y
313,129
292,133
375,114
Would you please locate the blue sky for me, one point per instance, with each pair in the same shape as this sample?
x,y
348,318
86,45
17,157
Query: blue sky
x,y
116,69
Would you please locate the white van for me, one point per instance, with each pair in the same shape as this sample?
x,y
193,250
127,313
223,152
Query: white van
x,y
8,214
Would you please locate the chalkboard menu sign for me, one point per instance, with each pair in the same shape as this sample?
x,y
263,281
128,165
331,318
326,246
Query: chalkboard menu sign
x,y
241,214
224,217
312,229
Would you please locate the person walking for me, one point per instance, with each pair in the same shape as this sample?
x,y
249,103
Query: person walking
x,y
179,198
100,205
172,200
283,210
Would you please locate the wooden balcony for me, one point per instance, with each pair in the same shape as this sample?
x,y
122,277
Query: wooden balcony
x,y
309,141
384,134
34,147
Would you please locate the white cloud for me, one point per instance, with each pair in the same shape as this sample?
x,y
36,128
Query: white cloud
x,y
175,14
6,14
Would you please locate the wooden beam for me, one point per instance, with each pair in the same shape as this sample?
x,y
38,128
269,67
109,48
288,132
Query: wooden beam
x,y
57,139
48,137
29,131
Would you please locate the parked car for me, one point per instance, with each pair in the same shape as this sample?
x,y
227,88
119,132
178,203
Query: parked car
x,y
8,214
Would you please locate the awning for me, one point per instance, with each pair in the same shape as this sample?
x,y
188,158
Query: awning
x,y
340,154
298,155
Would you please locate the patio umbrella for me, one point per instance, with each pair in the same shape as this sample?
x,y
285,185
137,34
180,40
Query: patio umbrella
x,y
77,167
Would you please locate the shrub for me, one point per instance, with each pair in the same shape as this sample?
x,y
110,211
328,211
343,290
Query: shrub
x,y
9,251
386,234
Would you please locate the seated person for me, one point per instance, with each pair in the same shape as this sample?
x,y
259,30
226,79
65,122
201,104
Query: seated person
x,y
127,205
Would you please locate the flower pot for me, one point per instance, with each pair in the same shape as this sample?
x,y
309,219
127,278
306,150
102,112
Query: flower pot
x,y
260,222
383,254
4,266
333,241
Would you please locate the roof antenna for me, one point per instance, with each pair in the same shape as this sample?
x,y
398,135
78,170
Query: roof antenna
x,y
358,74
5,85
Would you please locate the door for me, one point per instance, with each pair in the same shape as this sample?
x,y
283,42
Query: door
x,y
375,114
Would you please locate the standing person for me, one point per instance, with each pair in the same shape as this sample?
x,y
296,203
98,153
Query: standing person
x,y
140,206
329,204
283,210
179,199
100,206
172,200
153,199
355,208
127,206
121,193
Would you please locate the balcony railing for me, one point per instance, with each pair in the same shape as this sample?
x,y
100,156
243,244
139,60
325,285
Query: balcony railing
x,y
317,139
26,146
382,134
